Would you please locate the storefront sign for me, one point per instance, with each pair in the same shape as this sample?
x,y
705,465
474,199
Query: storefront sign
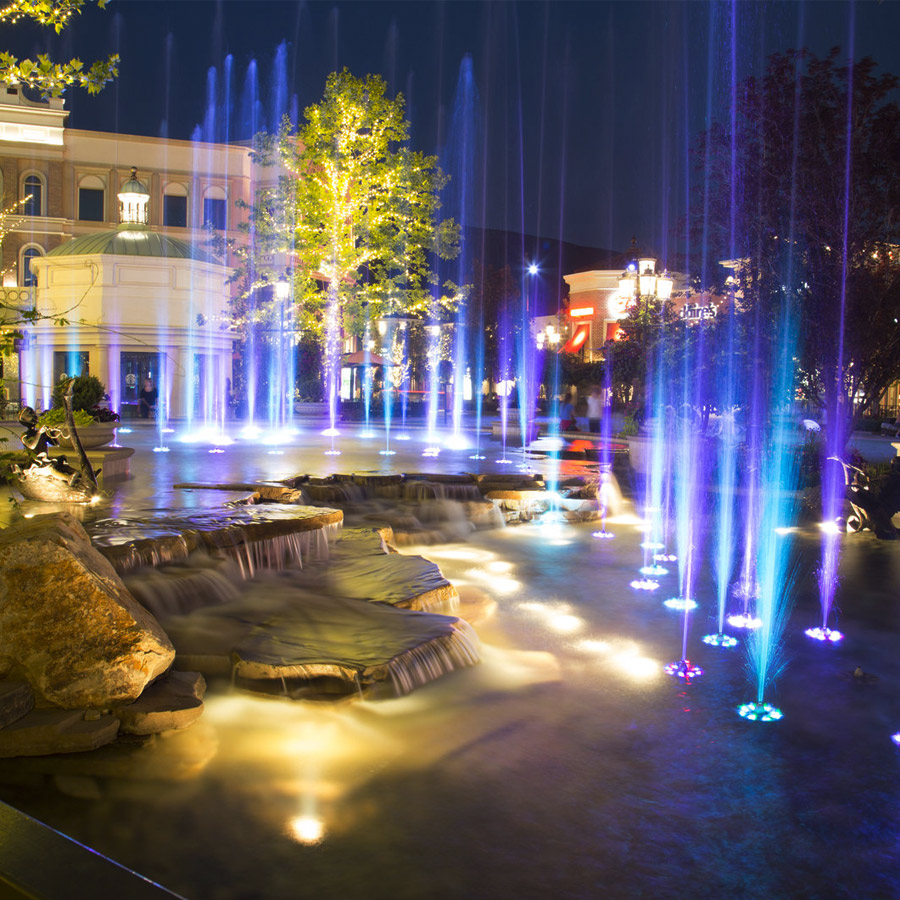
x,y
694,312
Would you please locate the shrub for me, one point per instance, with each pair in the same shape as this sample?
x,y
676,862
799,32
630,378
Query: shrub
x,y
87,392
57,416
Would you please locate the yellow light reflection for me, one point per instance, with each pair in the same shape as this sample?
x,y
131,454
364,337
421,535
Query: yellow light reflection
x,y
307,829
592,645
565,624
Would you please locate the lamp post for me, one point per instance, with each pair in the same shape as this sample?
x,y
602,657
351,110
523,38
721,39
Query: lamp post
x,y
640,282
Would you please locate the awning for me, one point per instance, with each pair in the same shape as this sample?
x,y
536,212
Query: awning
x,y
361,358
579,336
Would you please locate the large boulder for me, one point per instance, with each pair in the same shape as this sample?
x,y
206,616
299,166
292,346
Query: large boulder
x,y
67,622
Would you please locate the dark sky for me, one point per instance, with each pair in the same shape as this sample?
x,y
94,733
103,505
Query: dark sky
x,y
584,110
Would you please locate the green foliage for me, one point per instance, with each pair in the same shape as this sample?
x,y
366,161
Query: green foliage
x,y
42,74
87,392
353,211
629,427
57,417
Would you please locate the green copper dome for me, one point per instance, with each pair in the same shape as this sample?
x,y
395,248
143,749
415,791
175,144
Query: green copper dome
x,y
131,241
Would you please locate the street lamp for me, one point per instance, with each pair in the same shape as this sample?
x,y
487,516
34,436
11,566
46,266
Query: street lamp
x,y
282,287
640,281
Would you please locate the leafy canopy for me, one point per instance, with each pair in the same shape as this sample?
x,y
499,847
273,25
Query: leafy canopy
x,y
353,210
42,74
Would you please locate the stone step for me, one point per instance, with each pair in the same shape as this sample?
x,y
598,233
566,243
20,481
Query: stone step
x,y
171,703
16,700
46,731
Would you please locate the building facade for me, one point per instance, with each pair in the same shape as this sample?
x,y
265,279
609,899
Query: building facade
x,y
122,293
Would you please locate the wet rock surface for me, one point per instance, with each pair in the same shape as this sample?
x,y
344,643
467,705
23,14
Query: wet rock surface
x,y
46,731
172,703
67,623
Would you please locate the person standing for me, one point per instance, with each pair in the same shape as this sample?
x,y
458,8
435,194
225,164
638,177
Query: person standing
x,y
594,410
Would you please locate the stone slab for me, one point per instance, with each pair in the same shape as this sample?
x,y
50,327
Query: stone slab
x,y
47,731
171,703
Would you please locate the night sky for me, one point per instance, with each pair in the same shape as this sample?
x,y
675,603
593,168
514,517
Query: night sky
x,y
584,111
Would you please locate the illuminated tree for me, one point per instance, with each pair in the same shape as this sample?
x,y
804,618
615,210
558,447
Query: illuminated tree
x,y
42,74
352,211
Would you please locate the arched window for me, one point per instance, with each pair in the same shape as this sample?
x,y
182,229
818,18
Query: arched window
x,y
214,208
33,190
91,196
27,276
175,211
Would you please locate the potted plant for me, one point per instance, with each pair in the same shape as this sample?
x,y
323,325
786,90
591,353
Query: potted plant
x,y
93,434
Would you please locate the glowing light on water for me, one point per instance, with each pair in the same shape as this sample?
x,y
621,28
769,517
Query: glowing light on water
x,y
640,667
499,565
250,432
896,738
332,452
215,450
165,430
401,437
307,829
477,456
592,645
431,451
824,634
653,571
602,535
680,603
330,432
368,434
457,442
565,624
828,528
652,545
123,430
683,668
760,712
781,532
276,452
644,584
160,449
504,461
720,640
387,452
745,620
665,557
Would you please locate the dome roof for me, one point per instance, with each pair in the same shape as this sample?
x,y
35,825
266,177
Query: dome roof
x,y
131,241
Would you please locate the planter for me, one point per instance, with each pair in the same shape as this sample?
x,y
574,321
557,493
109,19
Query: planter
x,y
92,436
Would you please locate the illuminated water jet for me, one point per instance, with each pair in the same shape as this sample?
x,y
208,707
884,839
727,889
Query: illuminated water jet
x,y
745,620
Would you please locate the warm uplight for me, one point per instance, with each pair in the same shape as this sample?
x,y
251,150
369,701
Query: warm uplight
x,y
307,829
565,624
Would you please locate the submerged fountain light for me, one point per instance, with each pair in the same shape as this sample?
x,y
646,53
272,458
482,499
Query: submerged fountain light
x,y
603,534
830,527
215,450
652,545
330,432
503,461
824,634
160,449
401,437
644,584
760,712
431,451
387,452
123,430
477,456
167,430
276,452
250,432
896,738
332,452
745,620
665,557
683,668
653,571
720,640
307,829
680,603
